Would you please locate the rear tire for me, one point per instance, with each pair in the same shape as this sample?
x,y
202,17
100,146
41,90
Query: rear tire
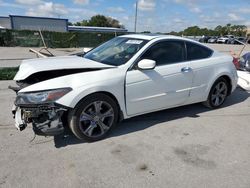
x,y
217,94
94,117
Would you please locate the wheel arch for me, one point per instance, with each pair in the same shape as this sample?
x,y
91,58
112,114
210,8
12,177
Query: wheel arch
x,y
227,78
112,96
229,81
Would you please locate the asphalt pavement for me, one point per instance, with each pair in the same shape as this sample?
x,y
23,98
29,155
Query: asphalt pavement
x,y
185,147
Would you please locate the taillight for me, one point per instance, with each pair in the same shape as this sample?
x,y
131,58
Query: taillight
x,y
236,62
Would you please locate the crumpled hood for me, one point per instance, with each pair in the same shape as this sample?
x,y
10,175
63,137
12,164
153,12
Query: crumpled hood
x,y
31,66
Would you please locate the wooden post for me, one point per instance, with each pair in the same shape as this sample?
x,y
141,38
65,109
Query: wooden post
x,y
248,38
41,35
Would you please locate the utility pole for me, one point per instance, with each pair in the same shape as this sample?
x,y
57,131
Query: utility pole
x,y
136,8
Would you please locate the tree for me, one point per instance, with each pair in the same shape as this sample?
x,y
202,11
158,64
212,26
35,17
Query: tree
x,y
114,23
218,30
100,21
237,30
192,31
78,23
146,32
228,28
84,23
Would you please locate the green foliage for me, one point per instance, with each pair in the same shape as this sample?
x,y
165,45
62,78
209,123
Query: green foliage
x,y
54,39
100,21
8,73
93,39
62,40
146,32
237,30
6,38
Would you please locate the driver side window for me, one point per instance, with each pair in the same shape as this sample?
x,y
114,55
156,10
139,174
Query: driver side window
x,y
166,52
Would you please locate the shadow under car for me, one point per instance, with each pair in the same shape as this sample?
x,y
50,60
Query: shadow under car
x,y
147,120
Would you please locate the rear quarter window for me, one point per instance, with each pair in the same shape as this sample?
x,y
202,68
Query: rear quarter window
x,y
195,51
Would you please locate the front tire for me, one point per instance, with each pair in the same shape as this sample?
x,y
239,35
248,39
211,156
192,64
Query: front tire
x,y
94,117
217,94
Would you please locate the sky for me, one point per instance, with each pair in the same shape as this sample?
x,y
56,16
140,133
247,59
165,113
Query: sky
x,y
153,15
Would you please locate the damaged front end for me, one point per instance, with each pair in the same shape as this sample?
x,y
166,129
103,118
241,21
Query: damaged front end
x,y
40,109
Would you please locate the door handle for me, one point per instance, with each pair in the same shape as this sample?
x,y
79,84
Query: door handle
x,y
186,69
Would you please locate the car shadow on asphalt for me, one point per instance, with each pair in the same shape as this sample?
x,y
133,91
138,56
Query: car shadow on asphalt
x,y
145,121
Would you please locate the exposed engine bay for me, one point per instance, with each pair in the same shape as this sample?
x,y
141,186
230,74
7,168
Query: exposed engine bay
x,y
46,119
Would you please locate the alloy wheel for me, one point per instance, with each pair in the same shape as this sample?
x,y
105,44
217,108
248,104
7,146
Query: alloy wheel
x,y
219,93
96,119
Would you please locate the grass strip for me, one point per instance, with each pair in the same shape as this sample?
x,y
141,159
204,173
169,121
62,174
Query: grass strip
x,y
8,73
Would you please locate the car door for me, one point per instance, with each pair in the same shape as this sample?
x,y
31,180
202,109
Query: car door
x,y
202,67
168,84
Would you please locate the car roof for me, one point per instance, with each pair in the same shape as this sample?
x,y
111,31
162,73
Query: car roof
x,y
161,37
153,36
157,36
142,36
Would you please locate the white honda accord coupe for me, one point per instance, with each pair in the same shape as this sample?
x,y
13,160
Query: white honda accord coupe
x,y
127,76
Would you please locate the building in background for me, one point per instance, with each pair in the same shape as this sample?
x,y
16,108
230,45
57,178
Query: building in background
x,y
38,23
17,22
5,22
96,29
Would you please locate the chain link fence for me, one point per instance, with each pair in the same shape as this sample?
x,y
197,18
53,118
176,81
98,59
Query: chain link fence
x,y
53,39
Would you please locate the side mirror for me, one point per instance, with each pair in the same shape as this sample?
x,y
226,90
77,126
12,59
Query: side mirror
x,y
146,64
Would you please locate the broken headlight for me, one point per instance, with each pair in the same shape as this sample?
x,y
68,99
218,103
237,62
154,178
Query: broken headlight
x,y
41,96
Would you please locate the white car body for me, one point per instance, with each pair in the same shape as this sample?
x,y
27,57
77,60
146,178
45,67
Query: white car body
x,y
222,40
136,91
244,79
212,40
226,39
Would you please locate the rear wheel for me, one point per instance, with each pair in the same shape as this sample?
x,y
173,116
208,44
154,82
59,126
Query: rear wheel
x,y
94,117
218,94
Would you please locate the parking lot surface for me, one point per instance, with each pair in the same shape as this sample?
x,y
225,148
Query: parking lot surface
x,y
189,147
13,56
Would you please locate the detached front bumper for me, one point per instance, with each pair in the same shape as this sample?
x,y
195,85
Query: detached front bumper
x,y
17,115
46,119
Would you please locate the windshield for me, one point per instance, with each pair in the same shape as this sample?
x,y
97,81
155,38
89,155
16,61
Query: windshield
x,y
116,51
